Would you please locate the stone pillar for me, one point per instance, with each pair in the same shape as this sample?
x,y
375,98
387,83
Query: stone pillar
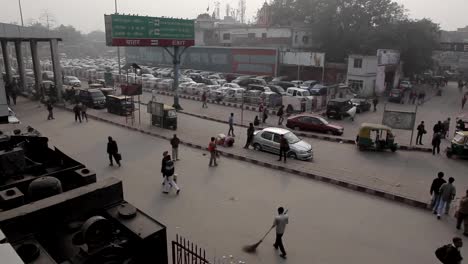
x,y
6,59
57,68
21,71
3,103
36,68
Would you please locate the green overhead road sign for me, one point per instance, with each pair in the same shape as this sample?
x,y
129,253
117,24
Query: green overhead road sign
x,y
123,30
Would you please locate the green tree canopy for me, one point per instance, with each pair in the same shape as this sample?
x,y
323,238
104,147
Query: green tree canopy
x,y
343,27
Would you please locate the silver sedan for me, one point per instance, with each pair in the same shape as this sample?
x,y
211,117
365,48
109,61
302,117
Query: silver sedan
x,y
268,140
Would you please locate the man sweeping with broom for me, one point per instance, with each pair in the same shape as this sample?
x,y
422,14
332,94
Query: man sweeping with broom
x,y
281,220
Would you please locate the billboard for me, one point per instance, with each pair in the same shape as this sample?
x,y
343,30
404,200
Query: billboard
x,y
399,119
313,59
388,57
126,30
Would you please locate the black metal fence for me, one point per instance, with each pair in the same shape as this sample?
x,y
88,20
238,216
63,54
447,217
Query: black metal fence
x,y
186,252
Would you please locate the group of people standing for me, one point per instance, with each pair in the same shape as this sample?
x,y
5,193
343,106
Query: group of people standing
x,y
440,131
80,112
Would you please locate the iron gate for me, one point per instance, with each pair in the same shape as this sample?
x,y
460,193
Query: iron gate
x,y
185,252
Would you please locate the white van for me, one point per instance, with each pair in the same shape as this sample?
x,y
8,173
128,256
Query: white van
x,y
297,99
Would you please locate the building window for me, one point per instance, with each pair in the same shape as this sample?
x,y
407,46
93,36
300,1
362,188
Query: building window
x,y
356,85
226,36
264,35
251,35
357,63
305,39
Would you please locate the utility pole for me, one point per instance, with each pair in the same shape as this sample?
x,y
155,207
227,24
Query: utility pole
x,y
21,13
118,48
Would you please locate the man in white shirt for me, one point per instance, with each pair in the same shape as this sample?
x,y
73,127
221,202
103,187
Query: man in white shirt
x,y
281,220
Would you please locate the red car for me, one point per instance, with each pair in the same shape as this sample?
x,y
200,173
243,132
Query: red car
x,y
313,123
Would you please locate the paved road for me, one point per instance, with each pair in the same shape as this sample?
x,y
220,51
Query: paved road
x,y
436,108
226,207
404,173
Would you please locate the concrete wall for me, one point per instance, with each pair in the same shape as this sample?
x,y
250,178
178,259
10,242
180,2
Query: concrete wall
x,y
368,87
369,65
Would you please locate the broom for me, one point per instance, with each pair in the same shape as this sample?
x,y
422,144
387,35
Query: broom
x,y
252,248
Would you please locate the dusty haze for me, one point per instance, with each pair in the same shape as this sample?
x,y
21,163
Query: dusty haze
x,y
87,15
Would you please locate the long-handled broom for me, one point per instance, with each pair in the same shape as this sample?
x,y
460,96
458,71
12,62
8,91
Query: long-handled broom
x,y
253,248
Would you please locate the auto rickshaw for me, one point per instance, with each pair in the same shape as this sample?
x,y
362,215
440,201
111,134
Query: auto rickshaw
x,y
376,137
162,115
120,105
459,145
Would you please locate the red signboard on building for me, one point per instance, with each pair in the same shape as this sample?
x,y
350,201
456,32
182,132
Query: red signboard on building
x,y
131,89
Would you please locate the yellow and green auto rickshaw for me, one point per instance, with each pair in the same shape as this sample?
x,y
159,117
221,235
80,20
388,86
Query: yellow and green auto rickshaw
x,y
375,137
459,145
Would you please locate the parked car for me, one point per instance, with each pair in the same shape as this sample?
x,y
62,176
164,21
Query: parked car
x,y
405,85
184,86
314,123
72,81
231,85
309,84
339,108
91,97
48,75
257,87
397,96
318,90
362,104
267,78
283,84
268,140
297,83
280,78
246,82
277,89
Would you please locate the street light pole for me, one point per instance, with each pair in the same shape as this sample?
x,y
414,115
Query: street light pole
x,y
118,48
21,13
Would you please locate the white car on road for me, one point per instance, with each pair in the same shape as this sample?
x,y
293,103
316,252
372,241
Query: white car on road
x,y
268,140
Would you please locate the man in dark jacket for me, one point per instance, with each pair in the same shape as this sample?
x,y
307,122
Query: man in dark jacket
x,y
169,181
435,188
375,101
421,131
77,111
438,127
113,151
50,108
175,141
250,135
163,165
284,148
280,115
451,253
436,140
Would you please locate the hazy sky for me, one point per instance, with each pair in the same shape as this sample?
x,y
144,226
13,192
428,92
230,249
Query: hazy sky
x,y
87,15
